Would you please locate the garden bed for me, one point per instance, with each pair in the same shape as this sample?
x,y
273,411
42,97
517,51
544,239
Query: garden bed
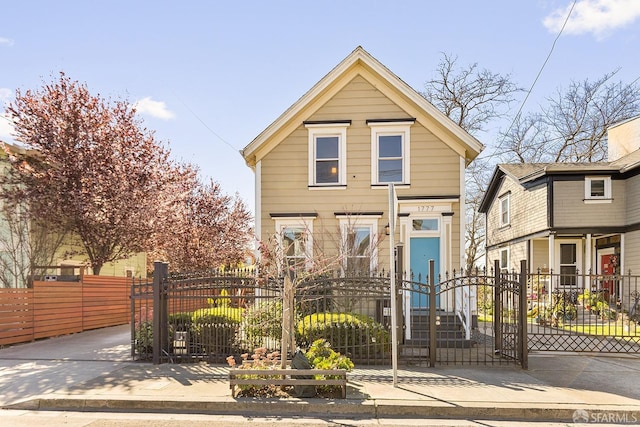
x,y
288,377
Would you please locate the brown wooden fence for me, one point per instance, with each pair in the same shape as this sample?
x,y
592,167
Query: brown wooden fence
x,y
57,308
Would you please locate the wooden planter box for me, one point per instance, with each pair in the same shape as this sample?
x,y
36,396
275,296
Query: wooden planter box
x,y
289,377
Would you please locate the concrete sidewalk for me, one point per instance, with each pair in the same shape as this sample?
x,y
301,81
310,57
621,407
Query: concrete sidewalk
x,y
93,371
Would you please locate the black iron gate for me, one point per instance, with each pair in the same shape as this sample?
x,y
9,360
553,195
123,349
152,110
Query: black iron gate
x,y
471,318
462,319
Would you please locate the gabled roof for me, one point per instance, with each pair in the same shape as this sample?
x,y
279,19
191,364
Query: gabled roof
x,y
361,62
527,172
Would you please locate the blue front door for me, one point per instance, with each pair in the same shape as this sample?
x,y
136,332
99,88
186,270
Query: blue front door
x,y
423,249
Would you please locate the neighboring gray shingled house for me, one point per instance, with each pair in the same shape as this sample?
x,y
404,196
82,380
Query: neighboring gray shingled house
x,y
569,217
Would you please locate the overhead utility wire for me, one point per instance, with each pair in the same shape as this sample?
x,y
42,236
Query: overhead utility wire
x,y
537,77
205,125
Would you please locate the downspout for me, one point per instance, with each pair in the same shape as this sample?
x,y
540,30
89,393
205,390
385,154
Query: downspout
x,y
463,211
258,207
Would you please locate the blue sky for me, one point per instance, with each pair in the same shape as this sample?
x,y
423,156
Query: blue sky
x,y
209,76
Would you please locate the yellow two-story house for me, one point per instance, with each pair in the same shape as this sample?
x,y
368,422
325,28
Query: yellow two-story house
x,y
323,169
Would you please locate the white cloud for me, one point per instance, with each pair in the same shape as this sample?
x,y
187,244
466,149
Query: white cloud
x,y
157,109
600,17
5,41
6,129
5,95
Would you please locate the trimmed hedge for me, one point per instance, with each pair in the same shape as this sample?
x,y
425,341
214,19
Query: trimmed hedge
x,y
348,333
215,329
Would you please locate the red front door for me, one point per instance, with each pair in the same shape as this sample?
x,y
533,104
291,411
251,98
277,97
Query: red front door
x,y
607,268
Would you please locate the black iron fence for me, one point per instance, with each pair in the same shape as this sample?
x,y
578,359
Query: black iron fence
x,y
210,316
472,318
583,312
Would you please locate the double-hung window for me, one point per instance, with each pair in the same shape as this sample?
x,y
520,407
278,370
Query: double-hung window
x,y
504,205
294,247
597,189
390,149
504,259
568,264
359,252
295,241
327,153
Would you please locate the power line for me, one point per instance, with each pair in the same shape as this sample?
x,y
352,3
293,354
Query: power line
x,y
205,125
537,77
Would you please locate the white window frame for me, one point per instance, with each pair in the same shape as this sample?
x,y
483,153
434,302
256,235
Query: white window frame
x,y
434,232
501,211
589,198
504,267
301,223
370,222
391,128
317,130
577,244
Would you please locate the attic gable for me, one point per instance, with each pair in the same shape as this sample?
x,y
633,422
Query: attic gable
x,y
361,63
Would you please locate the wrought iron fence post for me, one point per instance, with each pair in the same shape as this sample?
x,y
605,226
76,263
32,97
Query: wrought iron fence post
x,y
398,296
522,327
497,307
132,317
160,273
432,314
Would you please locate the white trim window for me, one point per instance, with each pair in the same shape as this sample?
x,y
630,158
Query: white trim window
x,y
597,189
504,260
390,149
295,239
504,208
359,248
568,264
327,154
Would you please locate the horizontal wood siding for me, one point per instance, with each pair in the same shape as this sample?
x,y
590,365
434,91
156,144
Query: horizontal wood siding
x,y
58,308
540,255
528,212
631,252
632,187
570,210
435,169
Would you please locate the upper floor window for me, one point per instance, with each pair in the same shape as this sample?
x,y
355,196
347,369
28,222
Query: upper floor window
x,y
390,149
505,209
597,188
327,153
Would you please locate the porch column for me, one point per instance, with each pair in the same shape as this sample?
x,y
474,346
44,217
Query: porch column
x,y
552,257
588,265
621,257
446,261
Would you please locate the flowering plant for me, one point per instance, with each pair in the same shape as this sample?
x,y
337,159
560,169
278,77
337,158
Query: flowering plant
x,y
260,359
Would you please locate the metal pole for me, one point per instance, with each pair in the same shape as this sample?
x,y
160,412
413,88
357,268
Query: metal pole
x,y
399,277
157,283
497,308
433,321
392,273
524,336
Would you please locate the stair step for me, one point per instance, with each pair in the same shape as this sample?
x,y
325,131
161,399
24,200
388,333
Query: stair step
x,y
440,343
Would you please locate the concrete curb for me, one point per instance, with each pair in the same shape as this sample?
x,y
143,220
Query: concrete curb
x,y
328,407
